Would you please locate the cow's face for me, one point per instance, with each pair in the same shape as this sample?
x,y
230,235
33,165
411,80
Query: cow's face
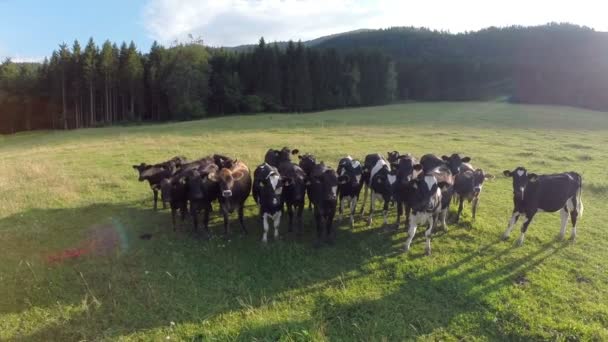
x,y
195,185
383,181
392,157
141,170
328,183
407,170
428,192
295,186
454,162
521,179
479,176
165,190
307,162
349,171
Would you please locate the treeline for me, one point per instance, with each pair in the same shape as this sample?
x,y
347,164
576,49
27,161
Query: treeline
x,y
109,84
94,86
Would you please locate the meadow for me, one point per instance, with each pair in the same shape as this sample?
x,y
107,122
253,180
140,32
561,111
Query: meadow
x,y
74,265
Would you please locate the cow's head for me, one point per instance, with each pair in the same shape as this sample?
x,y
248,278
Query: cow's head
x,y
521,179
327,183
407,170
141,168
479,176
349,171
454,162
226,179
383,182
307,162
194,180
295,185
165,190
271,188
428,192
393,157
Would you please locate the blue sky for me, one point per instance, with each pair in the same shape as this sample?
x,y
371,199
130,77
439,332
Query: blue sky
x,y
31,29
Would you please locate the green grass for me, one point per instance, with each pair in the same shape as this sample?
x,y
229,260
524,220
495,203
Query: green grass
x,y
57,189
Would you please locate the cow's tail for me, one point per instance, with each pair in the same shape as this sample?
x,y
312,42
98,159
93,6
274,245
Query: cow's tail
x,y
579,195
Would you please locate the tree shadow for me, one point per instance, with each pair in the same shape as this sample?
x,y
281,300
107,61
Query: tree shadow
x,y
144,283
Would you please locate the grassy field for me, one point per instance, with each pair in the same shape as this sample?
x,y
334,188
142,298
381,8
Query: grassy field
x,y
76,192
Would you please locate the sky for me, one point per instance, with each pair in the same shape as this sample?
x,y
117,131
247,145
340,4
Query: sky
x,y
32,29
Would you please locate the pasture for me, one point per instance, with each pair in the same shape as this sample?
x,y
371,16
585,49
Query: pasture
x,y
74,265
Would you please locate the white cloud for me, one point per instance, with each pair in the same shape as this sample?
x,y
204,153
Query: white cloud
x,y
233,22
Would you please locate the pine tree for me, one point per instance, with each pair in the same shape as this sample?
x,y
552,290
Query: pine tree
x,y
64,67
89,66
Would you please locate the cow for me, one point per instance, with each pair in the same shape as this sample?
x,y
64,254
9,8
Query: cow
x,y
294,192
323,194
403,191
378,176
307,163
235,186
155,173
268,194
349,185
467,186
457,164
534,193
276,157
175,192
426,204
201,194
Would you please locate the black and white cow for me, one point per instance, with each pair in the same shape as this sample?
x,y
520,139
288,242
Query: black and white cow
x,y
468,186
235,186
323,194
426,207
534,193
349,186
294,192
268,194
393,159
373,162
457,164
403,191
307,163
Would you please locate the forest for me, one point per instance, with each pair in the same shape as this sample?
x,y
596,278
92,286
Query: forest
x,y
107,84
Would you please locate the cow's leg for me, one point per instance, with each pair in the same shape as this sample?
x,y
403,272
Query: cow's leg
x,y
194,214
206,212
265,224
428,233
329,224
276,220
564,216
242,218
319,227
155,198
411,232
183,210
372,204
460,205
399,214
512,223
353,208
365,189
474,206
408,211
444,215
173,212
290,214
524,228
574,214
300,222
385,213
341,208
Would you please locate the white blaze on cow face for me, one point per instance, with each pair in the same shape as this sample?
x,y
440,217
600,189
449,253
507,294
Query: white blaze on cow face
x,y
520,172
392,179
430,181
358,178
274,180
334,190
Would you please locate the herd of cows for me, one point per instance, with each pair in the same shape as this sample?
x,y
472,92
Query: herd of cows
x,y
421,189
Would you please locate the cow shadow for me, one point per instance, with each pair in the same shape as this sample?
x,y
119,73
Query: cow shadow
x,y
107,270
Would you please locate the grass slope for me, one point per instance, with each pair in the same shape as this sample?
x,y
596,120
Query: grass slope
x,y
57,189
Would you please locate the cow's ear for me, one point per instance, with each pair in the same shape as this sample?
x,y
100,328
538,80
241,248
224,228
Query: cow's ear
x,y
466,159
295,151
507,173
136,167
445,157
300,157
237,175
532,177
343,179
418,167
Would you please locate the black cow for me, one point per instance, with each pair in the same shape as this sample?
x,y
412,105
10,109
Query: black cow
x,y
349,185
276,157
175,192
307,163
426,207
533,193
155,173
468,186
323,190
268,194
294,192
403,191
201,194
235,186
